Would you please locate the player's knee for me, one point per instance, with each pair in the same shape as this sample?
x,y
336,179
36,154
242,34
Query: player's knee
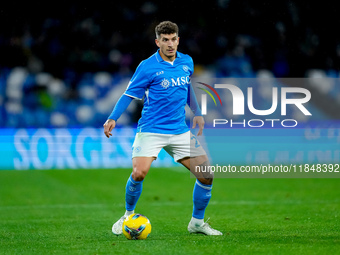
x,y
139,173
140,167
207,177
206,181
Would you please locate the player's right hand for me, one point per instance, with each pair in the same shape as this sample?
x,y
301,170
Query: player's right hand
x,y
109,125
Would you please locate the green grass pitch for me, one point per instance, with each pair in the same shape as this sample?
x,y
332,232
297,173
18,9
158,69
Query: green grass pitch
x,y
72,211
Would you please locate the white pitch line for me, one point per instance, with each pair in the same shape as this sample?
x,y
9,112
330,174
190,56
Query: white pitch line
x,y
166,203
47,206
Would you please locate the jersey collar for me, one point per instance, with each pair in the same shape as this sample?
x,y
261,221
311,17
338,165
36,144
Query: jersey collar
x,y
160,59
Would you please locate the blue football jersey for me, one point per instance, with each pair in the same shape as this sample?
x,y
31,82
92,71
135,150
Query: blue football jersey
x,y
164,86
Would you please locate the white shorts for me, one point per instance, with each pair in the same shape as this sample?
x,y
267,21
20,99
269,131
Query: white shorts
x,y
177,146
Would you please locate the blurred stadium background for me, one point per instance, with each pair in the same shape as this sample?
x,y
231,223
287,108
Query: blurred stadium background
x,y
64,65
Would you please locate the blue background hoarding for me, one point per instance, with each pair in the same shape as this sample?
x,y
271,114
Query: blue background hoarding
x,y
68,149
89,148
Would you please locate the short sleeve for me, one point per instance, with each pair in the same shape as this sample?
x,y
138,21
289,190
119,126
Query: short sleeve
x,y
138,83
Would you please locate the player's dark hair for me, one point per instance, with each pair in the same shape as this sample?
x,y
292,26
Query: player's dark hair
x,y
167,28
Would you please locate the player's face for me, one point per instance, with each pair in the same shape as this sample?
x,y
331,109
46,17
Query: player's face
x,y
168,46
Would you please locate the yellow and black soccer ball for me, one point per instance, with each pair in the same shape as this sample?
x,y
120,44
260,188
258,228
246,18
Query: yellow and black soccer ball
x,y
136,227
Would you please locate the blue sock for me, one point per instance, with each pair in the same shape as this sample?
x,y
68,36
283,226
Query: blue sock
x,y
132,193
201,197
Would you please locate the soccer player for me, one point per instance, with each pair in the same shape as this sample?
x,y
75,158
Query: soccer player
x,y
164,81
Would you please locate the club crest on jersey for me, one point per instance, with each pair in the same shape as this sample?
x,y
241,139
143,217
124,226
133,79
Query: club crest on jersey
x,y
185,68
165,83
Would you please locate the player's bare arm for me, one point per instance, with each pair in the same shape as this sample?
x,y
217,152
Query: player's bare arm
x,y
198,120
109,125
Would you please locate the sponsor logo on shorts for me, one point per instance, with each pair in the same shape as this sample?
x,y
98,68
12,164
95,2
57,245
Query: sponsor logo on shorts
x,y
195,141
138,149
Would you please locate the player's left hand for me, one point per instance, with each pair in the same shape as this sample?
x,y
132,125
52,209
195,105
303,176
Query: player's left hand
x,y
198,120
